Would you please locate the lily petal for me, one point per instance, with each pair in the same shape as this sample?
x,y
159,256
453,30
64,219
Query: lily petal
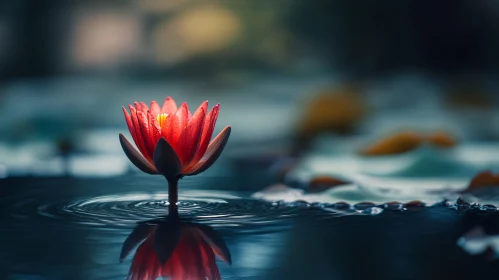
x,y
136,157
143,107
177,123
188,141
129,124
166,160
169,106
146,133
140,140
166,129
166,239
182,118
154,108
208,128
215,240
138,234
155,129
204,106
139,106
214,151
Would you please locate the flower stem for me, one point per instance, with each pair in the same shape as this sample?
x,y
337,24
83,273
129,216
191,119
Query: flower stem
x,y
173,196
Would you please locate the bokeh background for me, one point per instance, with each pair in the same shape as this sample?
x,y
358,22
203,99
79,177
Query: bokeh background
x,y
66,68
309,88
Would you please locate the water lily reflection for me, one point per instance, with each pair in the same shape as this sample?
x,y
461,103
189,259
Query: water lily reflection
x,y
175,248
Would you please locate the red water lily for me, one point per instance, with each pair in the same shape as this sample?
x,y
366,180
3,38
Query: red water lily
x,y
171,141
179,250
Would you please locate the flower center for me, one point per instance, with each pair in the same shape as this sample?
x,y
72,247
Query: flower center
x,y
162,119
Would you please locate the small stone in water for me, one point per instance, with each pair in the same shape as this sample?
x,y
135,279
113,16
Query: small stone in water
x,y
299,203
279,203
449,204
462,202
488,208
364,205
393,205
414,205
373,211
341,205
316,205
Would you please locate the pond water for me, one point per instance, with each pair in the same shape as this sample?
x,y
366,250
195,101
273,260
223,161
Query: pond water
x,y
398,216
68,228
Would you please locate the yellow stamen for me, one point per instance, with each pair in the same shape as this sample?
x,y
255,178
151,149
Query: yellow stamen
x,y
162,119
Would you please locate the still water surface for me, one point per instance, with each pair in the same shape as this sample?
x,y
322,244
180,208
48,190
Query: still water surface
x,y
68,228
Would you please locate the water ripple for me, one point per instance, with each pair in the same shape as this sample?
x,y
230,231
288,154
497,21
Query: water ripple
x,y
219,209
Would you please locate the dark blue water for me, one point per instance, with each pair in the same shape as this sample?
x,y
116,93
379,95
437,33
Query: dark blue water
x,y
67,228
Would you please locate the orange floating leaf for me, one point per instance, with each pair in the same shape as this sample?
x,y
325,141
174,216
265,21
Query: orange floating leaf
x,y
394,144
483,180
